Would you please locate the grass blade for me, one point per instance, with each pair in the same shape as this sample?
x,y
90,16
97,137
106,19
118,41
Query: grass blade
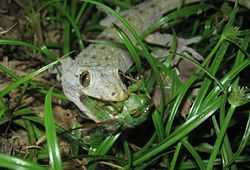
x,y
8,72
130,46
194,153
220,138
19,43
243,143
105,146
54,153
175,157
102,149
158,124
128,153
16,163
25,79
179,133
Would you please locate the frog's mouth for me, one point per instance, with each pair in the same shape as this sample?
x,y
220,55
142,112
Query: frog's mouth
x,y
103,110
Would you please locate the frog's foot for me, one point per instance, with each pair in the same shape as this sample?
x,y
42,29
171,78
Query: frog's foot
x,y
191,51
164,39
182,45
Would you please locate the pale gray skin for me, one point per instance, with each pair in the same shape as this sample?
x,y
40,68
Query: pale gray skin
x,y
102,62
102,67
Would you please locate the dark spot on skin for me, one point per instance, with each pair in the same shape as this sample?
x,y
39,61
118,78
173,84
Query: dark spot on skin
x,y
93,56
129,18
113,93
109,38
106,58
103,47
152,5
141,11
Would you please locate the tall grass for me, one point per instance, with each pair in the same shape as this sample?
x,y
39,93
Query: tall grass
x,y
213,133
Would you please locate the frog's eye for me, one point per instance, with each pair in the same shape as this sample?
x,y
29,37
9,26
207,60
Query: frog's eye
x,y
85,79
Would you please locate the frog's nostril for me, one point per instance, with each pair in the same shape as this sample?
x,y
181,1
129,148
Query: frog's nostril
x,y
85,79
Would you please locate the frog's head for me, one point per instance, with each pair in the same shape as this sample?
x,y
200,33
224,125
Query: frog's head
x,y
102,83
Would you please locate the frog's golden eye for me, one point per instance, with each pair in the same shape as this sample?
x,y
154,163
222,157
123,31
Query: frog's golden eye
x,y
85,79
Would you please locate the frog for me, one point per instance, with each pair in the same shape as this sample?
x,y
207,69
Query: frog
x,y
95,71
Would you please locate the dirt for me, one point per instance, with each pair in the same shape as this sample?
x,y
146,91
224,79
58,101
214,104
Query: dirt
x,y
17,25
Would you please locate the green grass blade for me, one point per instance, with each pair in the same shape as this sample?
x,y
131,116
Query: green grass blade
x,y
66,37
245,138
220,138
207,82
146,146
8,72
4,117
243,143
103,148
68,136
19,43
81,11
128,154
50,56
175,157
180,132
63,10
233,73
194,153
207,72
31,138
73,9
43,49
181,94
16,163
106,145
76,28
54,153
130,46
175,16
158,124
244,160
25,79
226,151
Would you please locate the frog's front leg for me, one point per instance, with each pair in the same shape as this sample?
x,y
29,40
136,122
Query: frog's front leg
x,y
182,45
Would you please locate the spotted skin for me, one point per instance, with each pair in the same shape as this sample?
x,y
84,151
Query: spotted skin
x,y
102,63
